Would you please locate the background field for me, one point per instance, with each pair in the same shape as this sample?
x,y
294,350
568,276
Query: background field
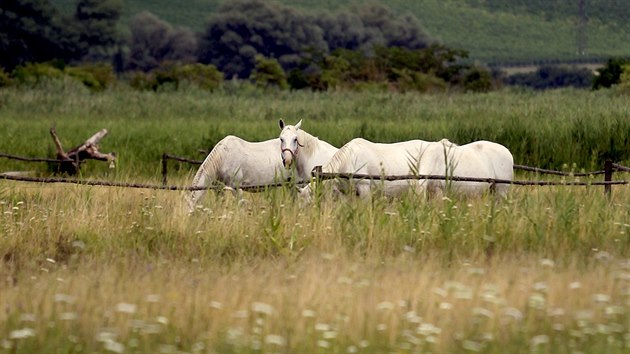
x,y
492,31
95,269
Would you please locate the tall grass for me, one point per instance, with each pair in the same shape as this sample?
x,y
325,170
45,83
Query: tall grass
x,y
99,269
103,269
553,129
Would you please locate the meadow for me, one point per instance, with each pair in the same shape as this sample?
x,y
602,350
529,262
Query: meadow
x,y
100,269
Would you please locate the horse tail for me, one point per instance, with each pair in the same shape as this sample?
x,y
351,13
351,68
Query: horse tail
x,y
207,173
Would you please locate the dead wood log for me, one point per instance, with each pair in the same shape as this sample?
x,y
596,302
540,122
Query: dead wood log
x,y
70,161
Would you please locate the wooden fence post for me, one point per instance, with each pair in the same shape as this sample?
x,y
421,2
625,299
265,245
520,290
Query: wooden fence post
x,y
164,168
608,171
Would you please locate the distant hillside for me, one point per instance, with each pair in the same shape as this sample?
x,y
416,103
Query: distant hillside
x,y
493,31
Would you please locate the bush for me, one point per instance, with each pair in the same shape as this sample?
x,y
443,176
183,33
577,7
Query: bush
x,y
5,78
35,73
610,74
549,77
206,77
268,73
408,80
624,79
140,80
96,77
477,79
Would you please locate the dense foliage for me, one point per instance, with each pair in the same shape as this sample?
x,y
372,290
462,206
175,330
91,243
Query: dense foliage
x,y
364,46
548,77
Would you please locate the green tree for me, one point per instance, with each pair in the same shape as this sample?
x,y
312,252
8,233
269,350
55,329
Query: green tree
x,y
154,41
97,20
34,31
243,29
269,73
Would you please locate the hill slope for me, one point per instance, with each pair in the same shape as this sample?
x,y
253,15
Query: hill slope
x,y
492,31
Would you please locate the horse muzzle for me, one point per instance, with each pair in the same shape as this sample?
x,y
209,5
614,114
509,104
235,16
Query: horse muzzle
x,y
287,158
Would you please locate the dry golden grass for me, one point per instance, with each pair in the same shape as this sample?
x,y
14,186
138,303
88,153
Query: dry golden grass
x,y
93,269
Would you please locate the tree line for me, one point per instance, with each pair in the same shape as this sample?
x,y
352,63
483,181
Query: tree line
x,y
265,42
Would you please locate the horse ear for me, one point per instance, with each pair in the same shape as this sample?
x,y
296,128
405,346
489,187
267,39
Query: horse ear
x,y
281,124
298,125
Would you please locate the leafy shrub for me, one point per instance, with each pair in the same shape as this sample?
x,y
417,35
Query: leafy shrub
x,y
268,73
549,77
140,80
5,78
408,80
206,77
96,77
610,74
477,79
34,73
624,80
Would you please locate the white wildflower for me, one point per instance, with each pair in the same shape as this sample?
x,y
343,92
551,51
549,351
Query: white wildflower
x,y
153,298
216,305
514,313
28,317
114,346
127,308
539,340
262,308
322,327
482,312
64,298
276,340
601,298
22,333
323,344
385,305
308,313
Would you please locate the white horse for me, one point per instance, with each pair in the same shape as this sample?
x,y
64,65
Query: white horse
x,y
234,162
360,156
480,159
302,150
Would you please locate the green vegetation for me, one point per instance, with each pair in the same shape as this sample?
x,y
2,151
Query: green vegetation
x,y
492,31
555,130
99,269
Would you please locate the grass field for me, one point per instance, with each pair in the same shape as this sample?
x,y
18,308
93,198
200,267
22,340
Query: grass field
x,y
99,269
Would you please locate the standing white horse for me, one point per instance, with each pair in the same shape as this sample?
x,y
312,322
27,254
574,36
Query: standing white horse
x,y
480,159
303,150
235,162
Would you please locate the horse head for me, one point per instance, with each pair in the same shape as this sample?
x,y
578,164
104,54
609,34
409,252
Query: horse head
x,y
289,144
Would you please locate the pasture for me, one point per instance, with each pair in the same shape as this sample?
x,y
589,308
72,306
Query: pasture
x,y
100,269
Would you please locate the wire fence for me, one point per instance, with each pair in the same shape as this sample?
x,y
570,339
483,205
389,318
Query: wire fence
x,y
609,168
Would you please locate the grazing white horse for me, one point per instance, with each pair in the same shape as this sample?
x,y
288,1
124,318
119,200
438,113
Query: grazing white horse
x,y
302,150
235,162
360,156
482,159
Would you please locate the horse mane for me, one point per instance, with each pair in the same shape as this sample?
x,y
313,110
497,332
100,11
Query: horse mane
x,y
341,157
308,143
213,161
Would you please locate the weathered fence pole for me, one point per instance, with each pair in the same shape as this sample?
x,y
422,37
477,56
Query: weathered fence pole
x,y
608,171
164,168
